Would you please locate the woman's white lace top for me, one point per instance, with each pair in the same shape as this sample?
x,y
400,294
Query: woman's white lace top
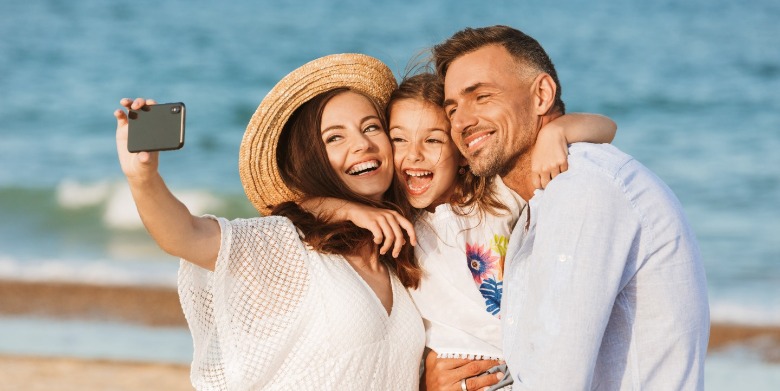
x,y
277,315
462,258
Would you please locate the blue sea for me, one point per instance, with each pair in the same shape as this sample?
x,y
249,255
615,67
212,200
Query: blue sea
x,y
693,86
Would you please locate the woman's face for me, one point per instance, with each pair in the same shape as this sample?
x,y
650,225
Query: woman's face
x,y
358,148
426,160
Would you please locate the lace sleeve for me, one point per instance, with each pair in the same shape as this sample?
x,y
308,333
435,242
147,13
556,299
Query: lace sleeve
x,y
243,315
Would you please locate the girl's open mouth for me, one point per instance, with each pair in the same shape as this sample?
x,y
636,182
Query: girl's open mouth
x,y
418,181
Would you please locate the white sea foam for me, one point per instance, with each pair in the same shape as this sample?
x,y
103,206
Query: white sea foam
x,y
121,212
199,202
92,272
74,195
119,208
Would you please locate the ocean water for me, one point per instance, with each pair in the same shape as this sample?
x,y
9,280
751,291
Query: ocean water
x,y
692,85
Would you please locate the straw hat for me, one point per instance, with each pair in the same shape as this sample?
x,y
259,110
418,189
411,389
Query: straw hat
x,y
257,157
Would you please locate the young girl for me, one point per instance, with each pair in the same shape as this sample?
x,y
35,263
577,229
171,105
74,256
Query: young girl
x,y
463,223
292,302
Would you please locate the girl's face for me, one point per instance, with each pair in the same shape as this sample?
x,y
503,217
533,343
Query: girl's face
x,y
425,158
357,146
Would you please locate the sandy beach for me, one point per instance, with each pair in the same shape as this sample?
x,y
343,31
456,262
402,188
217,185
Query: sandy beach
x,y
70,374
159,306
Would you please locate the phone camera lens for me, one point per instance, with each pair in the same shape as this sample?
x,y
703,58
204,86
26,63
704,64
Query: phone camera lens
x,y
175,109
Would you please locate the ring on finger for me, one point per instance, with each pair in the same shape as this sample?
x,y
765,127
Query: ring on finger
x,y
463,385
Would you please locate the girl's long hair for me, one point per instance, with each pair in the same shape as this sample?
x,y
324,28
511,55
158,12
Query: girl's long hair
x,y
304,166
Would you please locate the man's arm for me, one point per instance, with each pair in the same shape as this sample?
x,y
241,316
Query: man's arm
x,y
584,233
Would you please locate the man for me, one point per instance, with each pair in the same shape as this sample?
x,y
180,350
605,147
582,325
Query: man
x,y
604,286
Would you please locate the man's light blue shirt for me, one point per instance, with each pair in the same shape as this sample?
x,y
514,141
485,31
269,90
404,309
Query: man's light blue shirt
x,y
604,286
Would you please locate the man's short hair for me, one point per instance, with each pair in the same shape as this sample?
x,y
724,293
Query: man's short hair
x,y
523,48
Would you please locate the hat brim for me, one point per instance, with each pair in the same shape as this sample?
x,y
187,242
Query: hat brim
x,y
257,164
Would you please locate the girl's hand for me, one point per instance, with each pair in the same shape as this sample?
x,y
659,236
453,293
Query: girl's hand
x,y
386,225
549,157
136,166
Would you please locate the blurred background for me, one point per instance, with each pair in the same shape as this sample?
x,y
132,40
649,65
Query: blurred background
x,y
692,85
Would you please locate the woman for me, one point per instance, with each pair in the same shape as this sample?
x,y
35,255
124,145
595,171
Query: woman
x,y
292,301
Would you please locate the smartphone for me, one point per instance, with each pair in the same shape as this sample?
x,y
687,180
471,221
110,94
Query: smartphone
x,y
157,127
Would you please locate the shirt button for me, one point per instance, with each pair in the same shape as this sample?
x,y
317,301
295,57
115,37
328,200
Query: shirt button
x,y
564,257
511,320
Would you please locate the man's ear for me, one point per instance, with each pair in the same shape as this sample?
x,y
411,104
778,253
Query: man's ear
x,y
544,89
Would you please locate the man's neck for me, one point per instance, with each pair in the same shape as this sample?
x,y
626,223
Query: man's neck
x,y
519,177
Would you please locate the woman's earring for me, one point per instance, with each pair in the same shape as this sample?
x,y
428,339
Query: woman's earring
x,y
462,170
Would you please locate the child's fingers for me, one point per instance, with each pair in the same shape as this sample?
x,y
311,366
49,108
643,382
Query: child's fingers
x,y
537,181
399,236
563,166
409,228
387,230
377,232
554,171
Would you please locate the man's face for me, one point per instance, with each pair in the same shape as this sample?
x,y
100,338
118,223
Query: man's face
x,y
489,103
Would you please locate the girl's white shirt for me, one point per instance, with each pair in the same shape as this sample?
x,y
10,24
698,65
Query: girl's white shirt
x,y
455,313
277,315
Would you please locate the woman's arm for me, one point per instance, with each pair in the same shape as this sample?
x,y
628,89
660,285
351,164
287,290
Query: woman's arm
x,y
549,155
168,221
386,225
441,374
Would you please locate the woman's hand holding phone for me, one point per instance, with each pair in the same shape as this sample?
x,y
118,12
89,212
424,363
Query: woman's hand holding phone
x,y
136,166
168,221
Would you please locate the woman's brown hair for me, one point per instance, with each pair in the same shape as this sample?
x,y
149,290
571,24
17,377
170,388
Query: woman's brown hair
x,y
470,190
304,166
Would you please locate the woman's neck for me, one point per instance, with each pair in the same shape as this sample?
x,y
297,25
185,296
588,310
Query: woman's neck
x,y
366,258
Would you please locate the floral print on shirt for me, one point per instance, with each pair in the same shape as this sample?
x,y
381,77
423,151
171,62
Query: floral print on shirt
x,y
487,269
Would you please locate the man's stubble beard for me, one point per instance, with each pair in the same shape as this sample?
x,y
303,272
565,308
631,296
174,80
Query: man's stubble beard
x,y
497,159
487,164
